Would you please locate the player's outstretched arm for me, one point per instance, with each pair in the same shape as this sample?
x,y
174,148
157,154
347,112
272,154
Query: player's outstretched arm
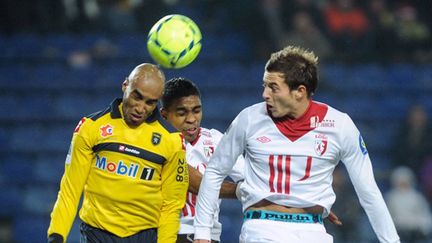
x,y
227,189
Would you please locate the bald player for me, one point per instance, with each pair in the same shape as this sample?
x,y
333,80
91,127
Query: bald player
x,y
129,164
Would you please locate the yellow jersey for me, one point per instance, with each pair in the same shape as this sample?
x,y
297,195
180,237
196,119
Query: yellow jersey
x,y
132,178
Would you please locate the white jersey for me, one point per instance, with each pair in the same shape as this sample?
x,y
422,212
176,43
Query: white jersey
x,y
291,162
198,154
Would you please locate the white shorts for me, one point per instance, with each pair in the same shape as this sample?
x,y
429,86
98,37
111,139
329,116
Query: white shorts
x,y
265,231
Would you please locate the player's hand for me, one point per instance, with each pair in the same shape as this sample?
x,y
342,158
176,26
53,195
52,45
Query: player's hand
x,y
333,218
201,241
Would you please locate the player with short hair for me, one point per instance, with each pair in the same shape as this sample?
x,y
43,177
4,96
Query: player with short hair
x,y
181,106
130,165
291,145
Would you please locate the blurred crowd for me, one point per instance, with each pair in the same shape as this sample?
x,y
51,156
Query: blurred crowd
x,y
349,30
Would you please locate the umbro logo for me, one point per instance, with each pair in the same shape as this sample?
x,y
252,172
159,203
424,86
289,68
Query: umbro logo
x,y
263,139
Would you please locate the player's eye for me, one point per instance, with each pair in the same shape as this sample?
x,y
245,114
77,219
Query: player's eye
x,y
196,111
151,102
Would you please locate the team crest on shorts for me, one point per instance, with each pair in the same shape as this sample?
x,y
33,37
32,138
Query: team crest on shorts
x,y
321,146
156,138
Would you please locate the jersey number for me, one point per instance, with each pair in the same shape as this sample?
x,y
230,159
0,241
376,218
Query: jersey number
x,y
280,173
147,174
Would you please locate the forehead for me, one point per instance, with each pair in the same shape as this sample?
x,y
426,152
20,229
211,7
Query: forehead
x,y
273,78
187,102
148,88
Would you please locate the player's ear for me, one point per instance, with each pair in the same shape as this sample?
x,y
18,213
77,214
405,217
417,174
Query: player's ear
x,y
163,113
125,84
301,92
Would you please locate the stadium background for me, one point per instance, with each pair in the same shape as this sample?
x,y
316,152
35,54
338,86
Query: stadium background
x,y
61,60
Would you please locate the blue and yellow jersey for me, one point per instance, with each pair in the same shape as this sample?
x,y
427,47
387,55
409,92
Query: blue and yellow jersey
x,y
132,178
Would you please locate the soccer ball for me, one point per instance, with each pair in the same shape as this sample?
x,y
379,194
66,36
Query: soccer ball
x,y
174,41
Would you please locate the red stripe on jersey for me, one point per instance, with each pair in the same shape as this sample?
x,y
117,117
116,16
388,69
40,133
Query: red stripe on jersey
x,y
308,168
192,208
194,197
288,173
189,208
280,174
185,212
272,173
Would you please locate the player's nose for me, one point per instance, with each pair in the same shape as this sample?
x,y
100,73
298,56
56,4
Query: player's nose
x,y
265,94
191,118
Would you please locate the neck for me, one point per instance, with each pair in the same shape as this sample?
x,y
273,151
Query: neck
x,y
300,109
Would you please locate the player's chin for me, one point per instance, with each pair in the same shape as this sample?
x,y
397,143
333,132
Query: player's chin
x,y
190,137
134,121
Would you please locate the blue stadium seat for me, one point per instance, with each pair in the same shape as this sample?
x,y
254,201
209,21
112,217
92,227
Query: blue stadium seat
x,y
231,217
402,77
27,138
110,76
82,78
39,198
8,103
73,106
367,78
228,75
23,46
198,74
132,46
62,46
4,137
38,106
424,77
33,228
14,77
24,106
236,46
49,168
37,138
334,75
30,228
16,168
58,137
49,76
11,198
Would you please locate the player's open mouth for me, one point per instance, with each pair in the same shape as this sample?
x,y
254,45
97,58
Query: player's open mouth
x,y
135,117
191,131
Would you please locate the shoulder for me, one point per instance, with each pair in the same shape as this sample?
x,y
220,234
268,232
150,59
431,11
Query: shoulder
x,y
166,125
112,110
211,134
98,114
156,119
89,121
333,113
256,110
258,107
214,132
